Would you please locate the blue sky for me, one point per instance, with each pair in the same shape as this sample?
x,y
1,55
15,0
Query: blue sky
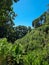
x,y
28,10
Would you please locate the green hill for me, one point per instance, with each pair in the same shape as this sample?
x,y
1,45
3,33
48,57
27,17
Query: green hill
x,y
36,46
33,49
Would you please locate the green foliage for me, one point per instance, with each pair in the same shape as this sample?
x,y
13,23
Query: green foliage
x,y
17,33
40,20
33,49
7,16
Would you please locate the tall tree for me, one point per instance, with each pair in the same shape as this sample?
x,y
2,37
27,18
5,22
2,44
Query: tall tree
x,y
39,21
6,15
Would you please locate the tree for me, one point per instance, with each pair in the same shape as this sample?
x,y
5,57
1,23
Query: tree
x,y
21,31
6,15
17,33
39,21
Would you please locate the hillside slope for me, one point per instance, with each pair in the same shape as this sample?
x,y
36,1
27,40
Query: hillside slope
x,y
37,37
36,46
33,49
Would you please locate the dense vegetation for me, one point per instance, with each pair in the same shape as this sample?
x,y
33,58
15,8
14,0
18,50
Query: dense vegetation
x,y
7,28
32,49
